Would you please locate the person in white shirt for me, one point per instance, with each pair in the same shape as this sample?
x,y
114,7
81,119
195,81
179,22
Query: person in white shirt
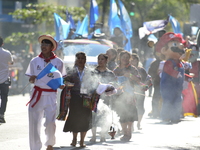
x,y
6,60
43,99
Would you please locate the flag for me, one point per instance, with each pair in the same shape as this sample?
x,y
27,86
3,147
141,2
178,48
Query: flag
x,y
143,32
94,14
125,20
78,25
114,20
70,20
155,26
61,28
175,25
83,29
51,76
126,24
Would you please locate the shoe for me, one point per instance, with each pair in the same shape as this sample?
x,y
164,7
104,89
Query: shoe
x,y
49,147
2,120
74,141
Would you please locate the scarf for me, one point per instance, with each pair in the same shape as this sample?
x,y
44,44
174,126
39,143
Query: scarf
x,y
52,56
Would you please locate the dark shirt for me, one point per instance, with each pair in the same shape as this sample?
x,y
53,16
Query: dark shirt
x,y
153,72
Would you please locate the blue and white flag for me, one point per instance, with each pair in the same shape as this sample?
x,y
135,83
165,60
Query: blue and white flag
x,y
51,76
61,28
70,20
125,20
94,13
78,25
155,26
126,24
113,20
175,25
83,29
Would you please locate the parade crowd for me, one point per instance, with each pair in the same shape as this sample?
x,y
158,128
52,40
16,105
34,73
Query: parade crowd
x,y
119,82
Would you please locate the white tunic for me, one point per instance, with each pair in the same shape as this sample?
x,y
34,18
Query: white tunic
x,y
45,107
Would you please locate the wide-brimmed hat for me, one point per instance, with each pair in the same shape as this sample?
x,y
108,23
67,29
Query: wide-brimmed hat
x,y
50,38
167,37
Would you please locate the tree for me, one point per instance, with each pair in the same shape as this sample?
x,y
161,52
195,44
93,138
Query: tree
x,y
40,16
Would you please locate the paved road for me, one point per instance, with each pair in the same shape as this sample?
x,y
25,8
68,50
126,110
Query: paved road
x,y
154,136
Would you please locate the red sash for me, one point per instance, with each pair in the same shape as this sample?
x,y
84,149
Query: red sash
x,y
39,90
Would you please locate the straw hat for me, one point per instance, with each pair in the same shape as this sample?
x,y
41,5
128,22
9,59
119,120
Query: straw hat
x,y
50,38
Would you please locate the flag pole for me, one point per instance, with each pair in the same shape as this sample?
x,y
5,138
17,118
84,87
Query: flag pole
x,y
24,87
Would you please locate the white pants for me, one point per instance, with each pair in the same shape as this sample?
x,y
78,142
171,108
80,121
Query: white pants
x,y
45,107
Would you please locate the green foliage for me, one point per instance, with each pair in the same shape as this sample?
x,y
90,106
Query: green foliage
x,y
41,16
23,38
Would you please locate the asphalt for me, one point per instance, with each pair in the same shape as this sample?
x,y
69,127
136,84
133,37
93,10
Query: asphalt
x,y
153,136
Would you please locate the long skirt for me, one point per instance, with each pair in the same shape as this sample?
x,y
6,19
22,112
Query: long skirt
x,y
79,118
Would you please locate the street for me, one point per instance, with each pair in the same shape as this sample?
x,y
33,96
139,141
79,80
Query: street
x,y
153,136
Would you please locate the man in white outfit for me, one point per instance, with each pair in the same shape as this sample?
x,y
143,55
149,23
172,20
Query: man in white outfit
x,y
43,98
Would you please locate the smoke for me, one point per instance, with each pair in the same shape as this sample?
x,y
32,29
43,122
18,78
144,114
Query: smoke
x,y
105,117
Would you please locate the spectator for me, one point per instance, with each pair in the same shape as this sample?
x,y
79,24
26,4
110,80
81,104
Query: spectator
x,y
156,99
135,50
6,60
119,37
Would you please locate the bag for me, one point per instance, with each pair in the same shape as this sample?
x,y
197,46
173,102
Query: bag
x,y
91,101
87,101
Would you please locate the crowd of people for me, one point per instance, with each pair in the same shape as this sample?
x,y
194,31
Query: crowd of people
x,y
123,81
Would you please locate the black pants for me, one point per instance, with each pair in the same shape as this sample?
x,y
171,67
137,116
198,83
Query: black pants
x,y
4,89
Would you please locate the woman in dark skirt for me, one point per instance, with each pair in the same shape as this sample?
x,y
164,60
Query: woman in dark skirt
x,y
80,117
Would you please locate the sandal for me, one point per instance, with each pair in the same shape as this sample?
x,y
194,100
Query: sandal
x,y
82,144
74,141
